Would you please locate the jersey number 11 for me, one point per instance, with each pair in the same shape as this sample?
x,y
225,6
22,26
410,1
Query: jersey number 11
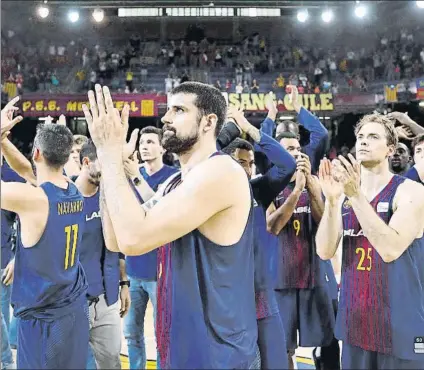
x,y
71,234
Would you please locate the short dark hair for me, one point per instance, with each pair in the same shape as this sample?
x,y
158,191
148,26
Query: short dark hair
x,y
417,141
286,135
238,144
88,150
55,143
209,100
152,130
286,124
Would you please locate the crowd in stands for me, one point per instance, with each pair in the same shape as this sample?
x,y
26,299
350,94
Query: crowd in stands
x,y
252,65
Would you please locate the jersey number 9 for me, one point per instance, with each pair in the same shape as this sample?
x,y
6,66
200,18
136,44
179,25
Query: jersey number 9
x,y
296,226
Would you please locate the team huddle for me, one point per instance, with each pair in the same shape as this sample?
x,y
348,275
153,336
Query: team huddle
x,y
242,239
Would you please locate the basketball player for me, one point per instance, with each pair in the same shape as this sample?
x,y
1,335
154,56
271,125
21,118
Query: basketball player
x,y
206,311
49,284
7,268
416,173
73,166
304,300
271,337
381,309
318,133
142,269
102,269
400,161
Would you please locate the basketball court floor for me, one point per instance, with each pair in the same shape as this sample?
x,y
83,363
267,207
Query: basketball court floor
x,y
303,355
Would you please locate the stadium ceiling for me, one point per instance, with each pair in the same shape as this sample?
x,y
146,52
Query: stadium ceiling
x,y
191,3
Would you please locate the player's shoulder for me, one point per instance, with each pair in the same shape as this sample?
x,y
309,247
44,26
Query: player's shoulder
x,y
411,191
225,165
220,172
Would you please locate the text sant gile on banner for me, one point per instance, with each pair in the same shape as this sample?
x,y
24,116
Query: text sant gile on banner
x,y
73,106
256,102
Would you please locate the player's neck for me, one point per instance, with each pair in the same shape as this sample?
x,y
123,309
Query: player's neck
x,y
45,174
199,153
153,166
86,188
374,178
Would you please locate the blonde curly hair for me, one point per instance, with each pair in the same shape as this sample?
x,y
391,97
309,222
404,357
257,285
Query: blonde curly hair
x,y
385,121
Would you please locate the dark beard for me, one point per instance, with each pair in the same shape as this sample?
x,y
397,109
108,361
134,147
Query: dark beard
x,y
94,179
174,144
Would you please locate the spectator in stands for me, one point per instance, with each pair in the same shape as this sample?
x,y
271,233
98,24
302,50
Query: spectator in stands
x,y
218,85
218,59
239,88
185,76
168,84
173,71
55,81
247,72
143,74
228,86
246,88
255,87
129,80
239,74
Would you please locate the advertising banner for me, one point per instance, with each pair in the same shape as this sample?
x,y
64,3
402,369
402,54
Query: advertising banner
x,y
141,105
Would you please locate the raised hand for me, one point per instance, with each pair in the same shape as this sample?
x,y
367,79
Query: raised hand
x,y
107,127
130,147
270,103
331,188
294,98
7,120
131,167
300,180
404,132
349,174
237,115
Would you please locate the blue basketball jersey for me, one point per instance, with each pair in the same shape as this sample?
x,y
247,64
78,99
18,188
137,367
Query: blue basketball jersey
x,y
297,261
92,246
49,280
205,310
264,246
7,220
381,305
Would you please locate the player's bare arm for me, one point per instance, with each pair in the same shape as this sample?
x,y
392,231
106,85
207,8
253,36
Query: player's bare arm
x,y
313,188
409,128
13,156
315,196
132,171
330,228
32,206
390,240
108,233
278,219
17,161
